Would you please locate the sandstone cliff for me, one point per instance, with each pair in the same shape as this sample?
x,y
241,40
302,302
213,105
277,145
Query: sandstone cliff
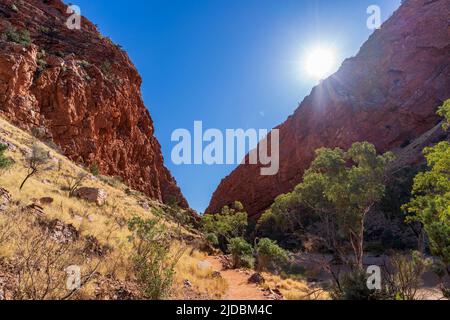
x,y
387,95
81,91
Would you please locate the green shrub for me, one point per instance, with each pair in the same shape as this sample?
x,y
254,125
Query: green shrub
x,y
241,252
4,161
18,36
228,224
212,239
431,196
353,286
403,277
269,255
94,169
152,261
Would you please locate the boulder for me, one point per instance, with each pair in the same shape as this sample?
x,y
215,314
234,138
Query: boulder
x,y
59,231
257,278
93,195
35,209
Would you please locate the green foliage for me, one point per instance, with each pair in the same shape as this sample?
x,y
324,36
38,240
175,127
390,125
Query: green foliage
x,y
94,170
18,36
431,196
106,67
152,262
343,194
404,282
286,221
35,162
353,286
230,223
444,112
269,255
241,252
212,239
5,162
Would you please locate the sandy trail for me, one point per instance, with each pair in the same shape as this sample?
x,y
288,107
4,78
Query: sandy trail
x,y
238,287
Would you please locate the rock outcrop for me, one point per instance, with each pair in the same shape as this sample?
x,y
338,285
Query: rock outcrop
x,y
79,90
93,195
388,95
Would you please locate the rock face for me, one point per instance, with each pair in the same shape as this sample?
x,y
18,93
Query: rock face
x,y
81,91
388,95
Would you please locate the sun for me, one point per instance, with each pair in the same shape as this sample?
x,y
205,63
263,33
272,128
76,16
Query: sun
x,y
320,62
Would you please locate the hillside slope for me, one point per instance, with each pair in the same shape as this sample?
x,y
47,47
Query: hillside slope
x,y
43,221
386,95
81,91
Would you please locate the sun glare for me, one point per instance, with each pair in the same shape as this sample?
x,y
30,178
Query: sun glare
x,y
320,63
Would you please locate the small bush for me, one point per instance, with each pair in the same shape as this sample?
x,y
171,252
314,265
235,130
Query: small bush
x,y
212,239
18,36
5,162
44,29
404,281
269,255
106,67
241,252
230,223
153,264
95,170
74,183
84,63
353,286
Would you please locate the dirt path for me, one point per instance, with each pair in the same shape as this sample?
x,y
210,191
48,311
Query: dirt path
x,y
238,287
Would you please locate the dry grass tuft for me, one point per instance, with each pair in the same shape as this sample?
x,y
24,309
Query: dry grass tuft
x,y
294,289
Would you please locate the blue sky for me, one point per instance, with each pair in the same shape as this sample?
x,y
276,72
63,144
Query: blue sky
x,y
229,63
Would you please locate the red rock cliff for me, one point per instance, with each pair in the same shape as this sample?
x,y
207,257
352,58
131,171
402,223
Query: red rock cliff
x,y
387,94
82,91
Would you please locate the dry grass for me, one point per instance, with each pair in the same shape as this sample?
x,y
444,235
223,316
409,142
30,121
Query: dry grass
x,y
190,267
293,289
108,224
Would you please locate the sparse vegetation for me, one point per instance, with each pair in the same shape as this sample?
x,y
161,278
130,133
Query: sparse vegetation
x,y
40,258
241,253
403,275
153,264
18,36
107,225
269,255
344,195
230,223
35,162
106,67
74,183
430,205
5,162
95,169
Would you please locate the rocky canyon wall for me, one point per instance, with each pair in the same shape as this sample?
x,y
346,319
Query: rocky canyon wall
x,y
81,91
387,94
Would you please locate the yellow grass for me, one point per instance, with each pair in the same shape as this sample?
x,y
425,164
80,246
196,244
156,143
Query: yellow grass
x,y
190,268
293,289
